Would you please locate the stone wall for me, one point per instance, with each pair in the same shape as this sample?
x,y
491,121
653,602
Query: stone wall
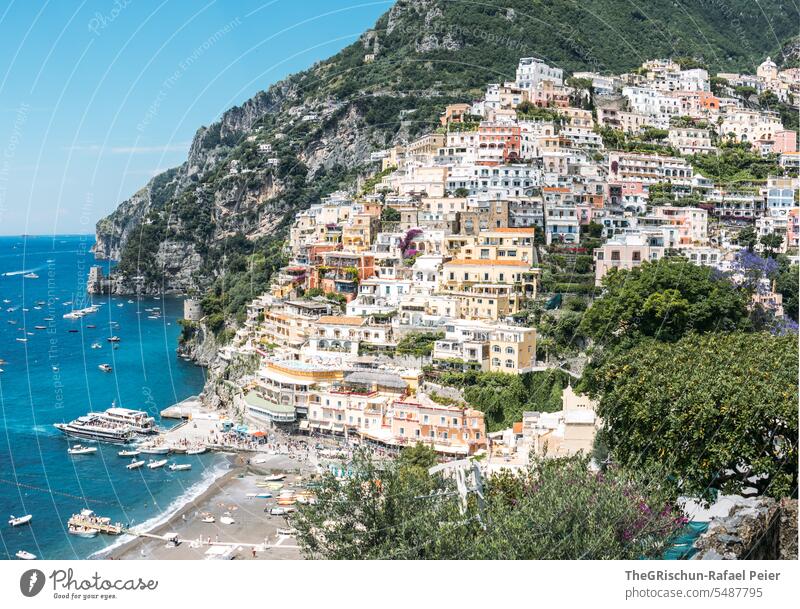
x,y
755,529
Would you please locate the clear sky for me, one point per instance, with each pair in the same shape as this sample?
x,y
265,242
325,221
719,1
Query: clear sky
x,y
97,96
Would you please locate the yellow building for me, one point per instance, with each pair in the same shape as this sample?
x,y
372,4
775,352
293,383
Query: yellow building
x,y
512,349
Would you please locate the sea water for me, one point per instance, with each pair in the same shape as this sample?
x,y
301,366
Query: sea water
x,y
53,377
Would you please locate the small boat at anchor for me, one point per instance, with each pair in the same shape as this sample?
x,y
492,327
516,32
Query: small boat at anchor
x,y
97,346
135,464
113,339
196,451
16,521
128,453
156,464
105,367
80,531
23,555
79,449
153,450
182,467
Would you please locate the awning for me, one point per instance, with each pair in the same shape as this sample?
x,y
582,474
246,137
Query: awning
x,y
304,424
259,434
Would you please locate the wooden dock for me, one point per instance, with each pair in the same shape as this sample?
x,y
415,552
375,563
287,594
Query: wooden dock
x,y
96,525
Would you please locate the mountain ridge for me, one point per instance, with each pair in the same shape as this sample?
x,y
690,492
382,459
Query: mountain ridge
x,y
199,228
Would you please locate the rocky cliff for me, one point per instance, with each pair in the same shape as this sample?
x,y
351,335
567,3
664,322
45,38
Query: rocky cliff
x,y
210,225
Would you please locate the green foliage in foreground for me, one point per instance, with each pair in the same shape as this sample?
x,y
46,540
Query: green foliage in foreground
x,y
718,410
556,509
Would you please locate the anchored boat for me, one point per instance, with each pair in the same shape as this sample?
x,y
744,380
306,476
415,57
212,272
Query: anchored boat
x,y
82,450
17,521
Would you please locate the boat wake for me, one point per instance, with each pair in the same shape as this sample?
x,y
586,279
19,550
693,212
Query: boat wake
x,y
22,272
210,476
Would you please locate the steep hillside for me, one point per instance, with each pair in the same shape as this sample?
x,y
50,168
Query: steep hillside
x,y
199,228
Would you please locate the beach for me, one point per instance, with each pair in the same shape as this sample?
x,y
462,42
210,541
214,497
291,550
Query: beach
x,y
252,527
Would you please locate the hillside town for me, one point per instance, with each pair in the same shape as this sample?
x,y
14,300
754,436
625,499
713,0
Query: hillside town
x,y
523,199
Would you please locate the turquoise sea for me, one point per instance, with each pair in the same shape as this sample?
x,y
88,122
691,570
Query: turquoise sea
x,y
53,376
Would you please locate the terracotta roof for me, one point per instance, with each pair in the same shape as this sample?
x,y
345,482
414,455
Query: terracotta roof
x,y
490,262
555,189
342,320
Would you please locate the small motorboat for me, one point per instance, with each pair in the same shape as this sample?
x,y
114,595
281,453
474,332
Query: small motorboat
x,y
153,450
22,340
73,330
175,467
134,464
120,304
40,327
274,477
97,346
16,521
105,367
156,464
113,339
196,451
78,449
31,276
178,450
128,453
92,326
23,555
227,519
208,519
259,495
81,531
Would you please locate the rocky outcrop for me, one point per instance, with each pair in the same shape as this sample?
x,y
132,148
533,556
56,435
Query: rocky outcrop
x,y
754,529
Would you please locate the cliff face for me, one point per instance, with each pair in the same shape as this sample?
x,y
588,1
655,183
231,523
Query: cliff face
x,y
200,225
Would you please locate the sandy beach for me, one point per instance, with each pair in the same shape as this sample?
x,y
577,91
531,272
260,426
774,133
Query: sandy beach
x,y
252,527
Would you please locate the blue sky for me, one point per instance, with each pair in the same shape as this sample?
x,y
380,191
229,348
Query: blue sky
x,y
98,96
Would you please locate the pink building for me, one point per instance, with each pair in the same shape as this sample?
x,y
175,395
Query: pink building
x,y
785,141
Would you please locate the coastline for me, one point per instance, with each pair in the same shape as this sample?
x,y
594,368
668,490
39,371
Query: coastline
x,y
227,493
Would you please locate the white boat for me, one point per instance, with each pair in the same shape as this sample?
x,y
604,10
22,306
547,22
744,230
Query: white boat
x,y
82,450
227,519
97,346
154,450
16,521
208,519
259,495
134,464
1,370
274,477
128,453
130,302
31,276
22,340
138,420
81,531
156,464
196,451
120,304
175,467
113,339
105,367
23,555
94,428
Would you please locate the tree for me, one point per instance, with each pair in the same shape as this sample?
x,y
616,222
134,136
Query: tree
x,y
747,237
461,192
419,455
771,243
555,508
418,344
718,410
390,214
665,300
786,284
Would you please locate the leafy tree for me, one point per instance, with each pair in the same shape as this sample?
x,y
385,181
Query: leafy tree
x,y
664,299
555,509
771,243
390,214
718,410
419,455
461,192
786,284
747,237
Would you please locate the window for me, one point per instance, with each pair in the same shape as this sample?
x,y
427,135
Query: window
x,y
402,431
424,418
510,350
441,420
496,349
455,421
615,256
636,256
509,363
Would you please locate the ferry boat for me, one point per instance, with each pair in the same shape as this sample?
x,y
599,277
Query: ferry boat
x,y
156,464
138,420
94,428
135,464
17,521
105,367
81,450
